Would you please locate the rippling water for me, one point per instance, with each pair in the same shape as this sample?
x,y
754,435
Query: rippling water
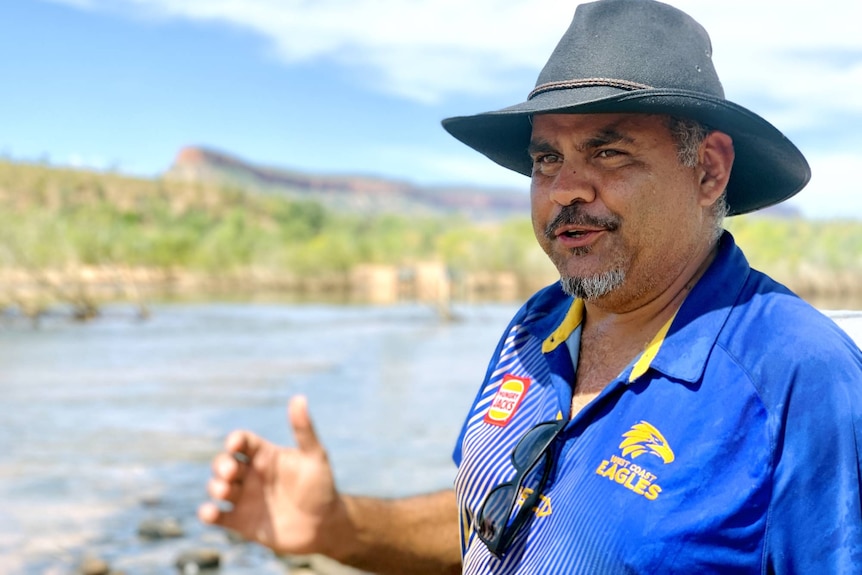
x,y
107,423
112,422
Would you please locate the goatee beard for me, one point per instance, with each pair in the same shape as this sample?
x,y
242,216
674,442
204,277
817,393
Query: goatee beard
x,y
594,287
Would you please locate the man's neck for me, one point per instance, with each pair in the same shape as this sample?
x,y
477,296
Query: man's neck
x,y
649,311
611,338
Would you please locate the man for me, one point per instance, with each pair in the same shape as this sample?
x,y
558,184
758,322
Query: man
x,y
664,408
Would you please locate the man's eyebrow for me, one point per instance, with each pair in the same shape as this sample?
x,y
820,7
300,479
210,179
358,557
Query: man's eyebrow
x,y
604,137
541,147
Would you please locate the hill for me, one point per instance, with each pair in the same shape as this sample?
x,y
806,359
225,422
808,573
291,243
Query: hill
x,y
349,193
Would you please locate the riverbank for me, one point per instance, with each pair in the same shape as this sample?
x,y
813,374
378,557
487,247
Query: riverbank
x,y
83,290
79,239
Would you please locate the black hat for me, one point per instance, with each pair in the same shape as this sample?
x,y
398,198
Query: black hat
x,y
642,56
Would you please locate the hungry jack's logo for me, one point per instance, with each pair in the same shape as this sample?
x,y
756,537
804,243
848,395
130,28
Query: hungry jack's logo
x,y
642,438
507,399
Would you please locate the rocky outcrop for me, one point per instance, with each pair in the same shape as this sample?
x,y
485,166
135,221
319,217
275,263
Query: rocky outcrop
x,y
362,194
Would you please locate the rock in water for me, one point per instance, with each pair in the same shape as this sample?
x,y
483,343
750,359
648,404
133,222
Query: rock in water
x,y
94,566
194,560
160,528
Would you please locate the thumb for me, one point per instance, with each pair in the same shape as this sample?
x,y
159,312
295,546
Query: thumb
x,y
303,430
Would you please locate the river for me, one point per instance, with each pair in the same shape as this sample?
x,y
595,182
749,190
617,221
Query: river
x,y
112,422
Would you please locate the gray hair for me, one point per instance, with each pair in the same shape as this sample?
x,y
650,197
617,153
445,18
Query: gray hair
x,y
689,135
593,287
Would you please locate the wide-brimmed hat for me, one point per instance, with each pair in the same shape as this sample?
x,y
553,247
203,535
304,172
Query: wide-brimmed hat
x,y
645,57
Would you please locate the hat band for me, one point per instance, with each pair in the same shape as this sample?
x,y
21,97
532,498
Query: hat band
x,y
586,83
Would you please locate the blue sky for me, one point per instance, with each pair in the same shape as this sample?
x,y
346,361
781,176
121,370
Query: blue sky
x,y
360,86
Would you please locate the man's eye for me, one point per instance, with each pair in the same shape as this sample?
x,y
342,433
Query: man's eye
x,y
547,159
608,153
546,164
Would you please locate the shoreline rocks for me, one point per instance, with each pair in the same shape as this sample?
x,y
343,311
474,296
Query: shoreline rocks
x,y
164,528
196,560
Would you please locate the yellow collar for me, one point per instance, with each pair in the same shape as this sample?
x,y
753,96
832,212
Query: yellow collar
x,y
573,319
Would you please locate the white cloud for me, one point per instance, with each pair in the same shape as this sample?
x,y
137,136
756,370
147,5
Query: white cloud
x,y
420,49
429,49
797,63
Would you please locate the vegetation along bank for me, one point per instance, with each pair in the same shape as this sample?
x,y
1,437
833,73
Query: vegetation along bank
x,y
80,238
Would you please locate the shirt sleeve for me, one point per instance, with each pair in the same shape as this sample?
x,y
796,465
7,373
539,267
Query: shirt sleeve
x,y
815,516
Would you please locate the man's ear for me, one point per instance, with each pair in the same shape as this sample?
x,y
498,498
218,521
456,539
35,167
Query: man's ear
x,y
715,162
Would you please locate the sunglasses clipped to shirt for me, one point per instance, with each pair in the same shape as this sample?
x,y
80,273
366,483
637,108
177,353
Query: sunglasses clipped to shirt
x,y
508,506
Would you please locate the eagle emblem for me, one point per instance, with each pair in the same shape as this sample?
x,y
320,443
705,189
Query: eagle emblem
x,y
645,438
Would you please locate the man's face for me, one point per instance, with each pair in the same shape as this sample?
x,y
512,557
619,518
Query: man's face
x,y
612,206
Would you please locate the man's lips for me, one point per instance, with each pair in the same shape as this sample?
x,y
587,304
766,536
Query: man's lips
x,y
577,236
574,228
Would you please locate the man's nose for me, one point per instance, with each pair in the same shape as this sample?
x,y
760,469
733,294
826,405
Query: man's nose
x,y
571,185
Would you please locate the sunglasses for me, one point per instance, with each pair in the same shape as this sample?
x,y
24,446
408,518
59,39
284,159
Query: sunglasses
x,y
508,506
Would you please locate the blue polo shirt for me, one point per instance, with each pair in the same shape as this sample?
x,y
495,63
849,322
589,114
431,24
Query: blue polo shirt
x,y
731,445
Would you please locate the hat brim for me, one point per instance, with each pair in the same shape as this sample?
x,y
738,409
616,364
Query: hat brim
x,y
767,169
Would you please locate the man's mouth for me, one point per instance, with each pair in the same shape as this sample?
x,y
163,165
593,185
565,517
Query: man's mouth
x,y
572,223
575,233
578,238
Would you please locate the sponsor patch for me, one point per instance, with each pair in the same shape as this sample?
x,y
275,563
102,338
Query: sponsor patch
x,y
507,399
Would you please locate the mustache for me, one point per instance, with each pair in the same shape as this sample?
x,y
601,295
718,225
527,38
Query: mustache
x,y
574,215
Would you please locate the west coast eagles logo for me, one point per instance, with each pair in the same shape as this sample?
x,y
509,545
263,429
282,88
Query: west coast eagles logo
x,y
643,438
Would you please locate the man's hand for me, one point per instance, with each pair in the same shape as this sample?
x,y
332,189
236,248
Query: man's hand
x,y
280,497
286,499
